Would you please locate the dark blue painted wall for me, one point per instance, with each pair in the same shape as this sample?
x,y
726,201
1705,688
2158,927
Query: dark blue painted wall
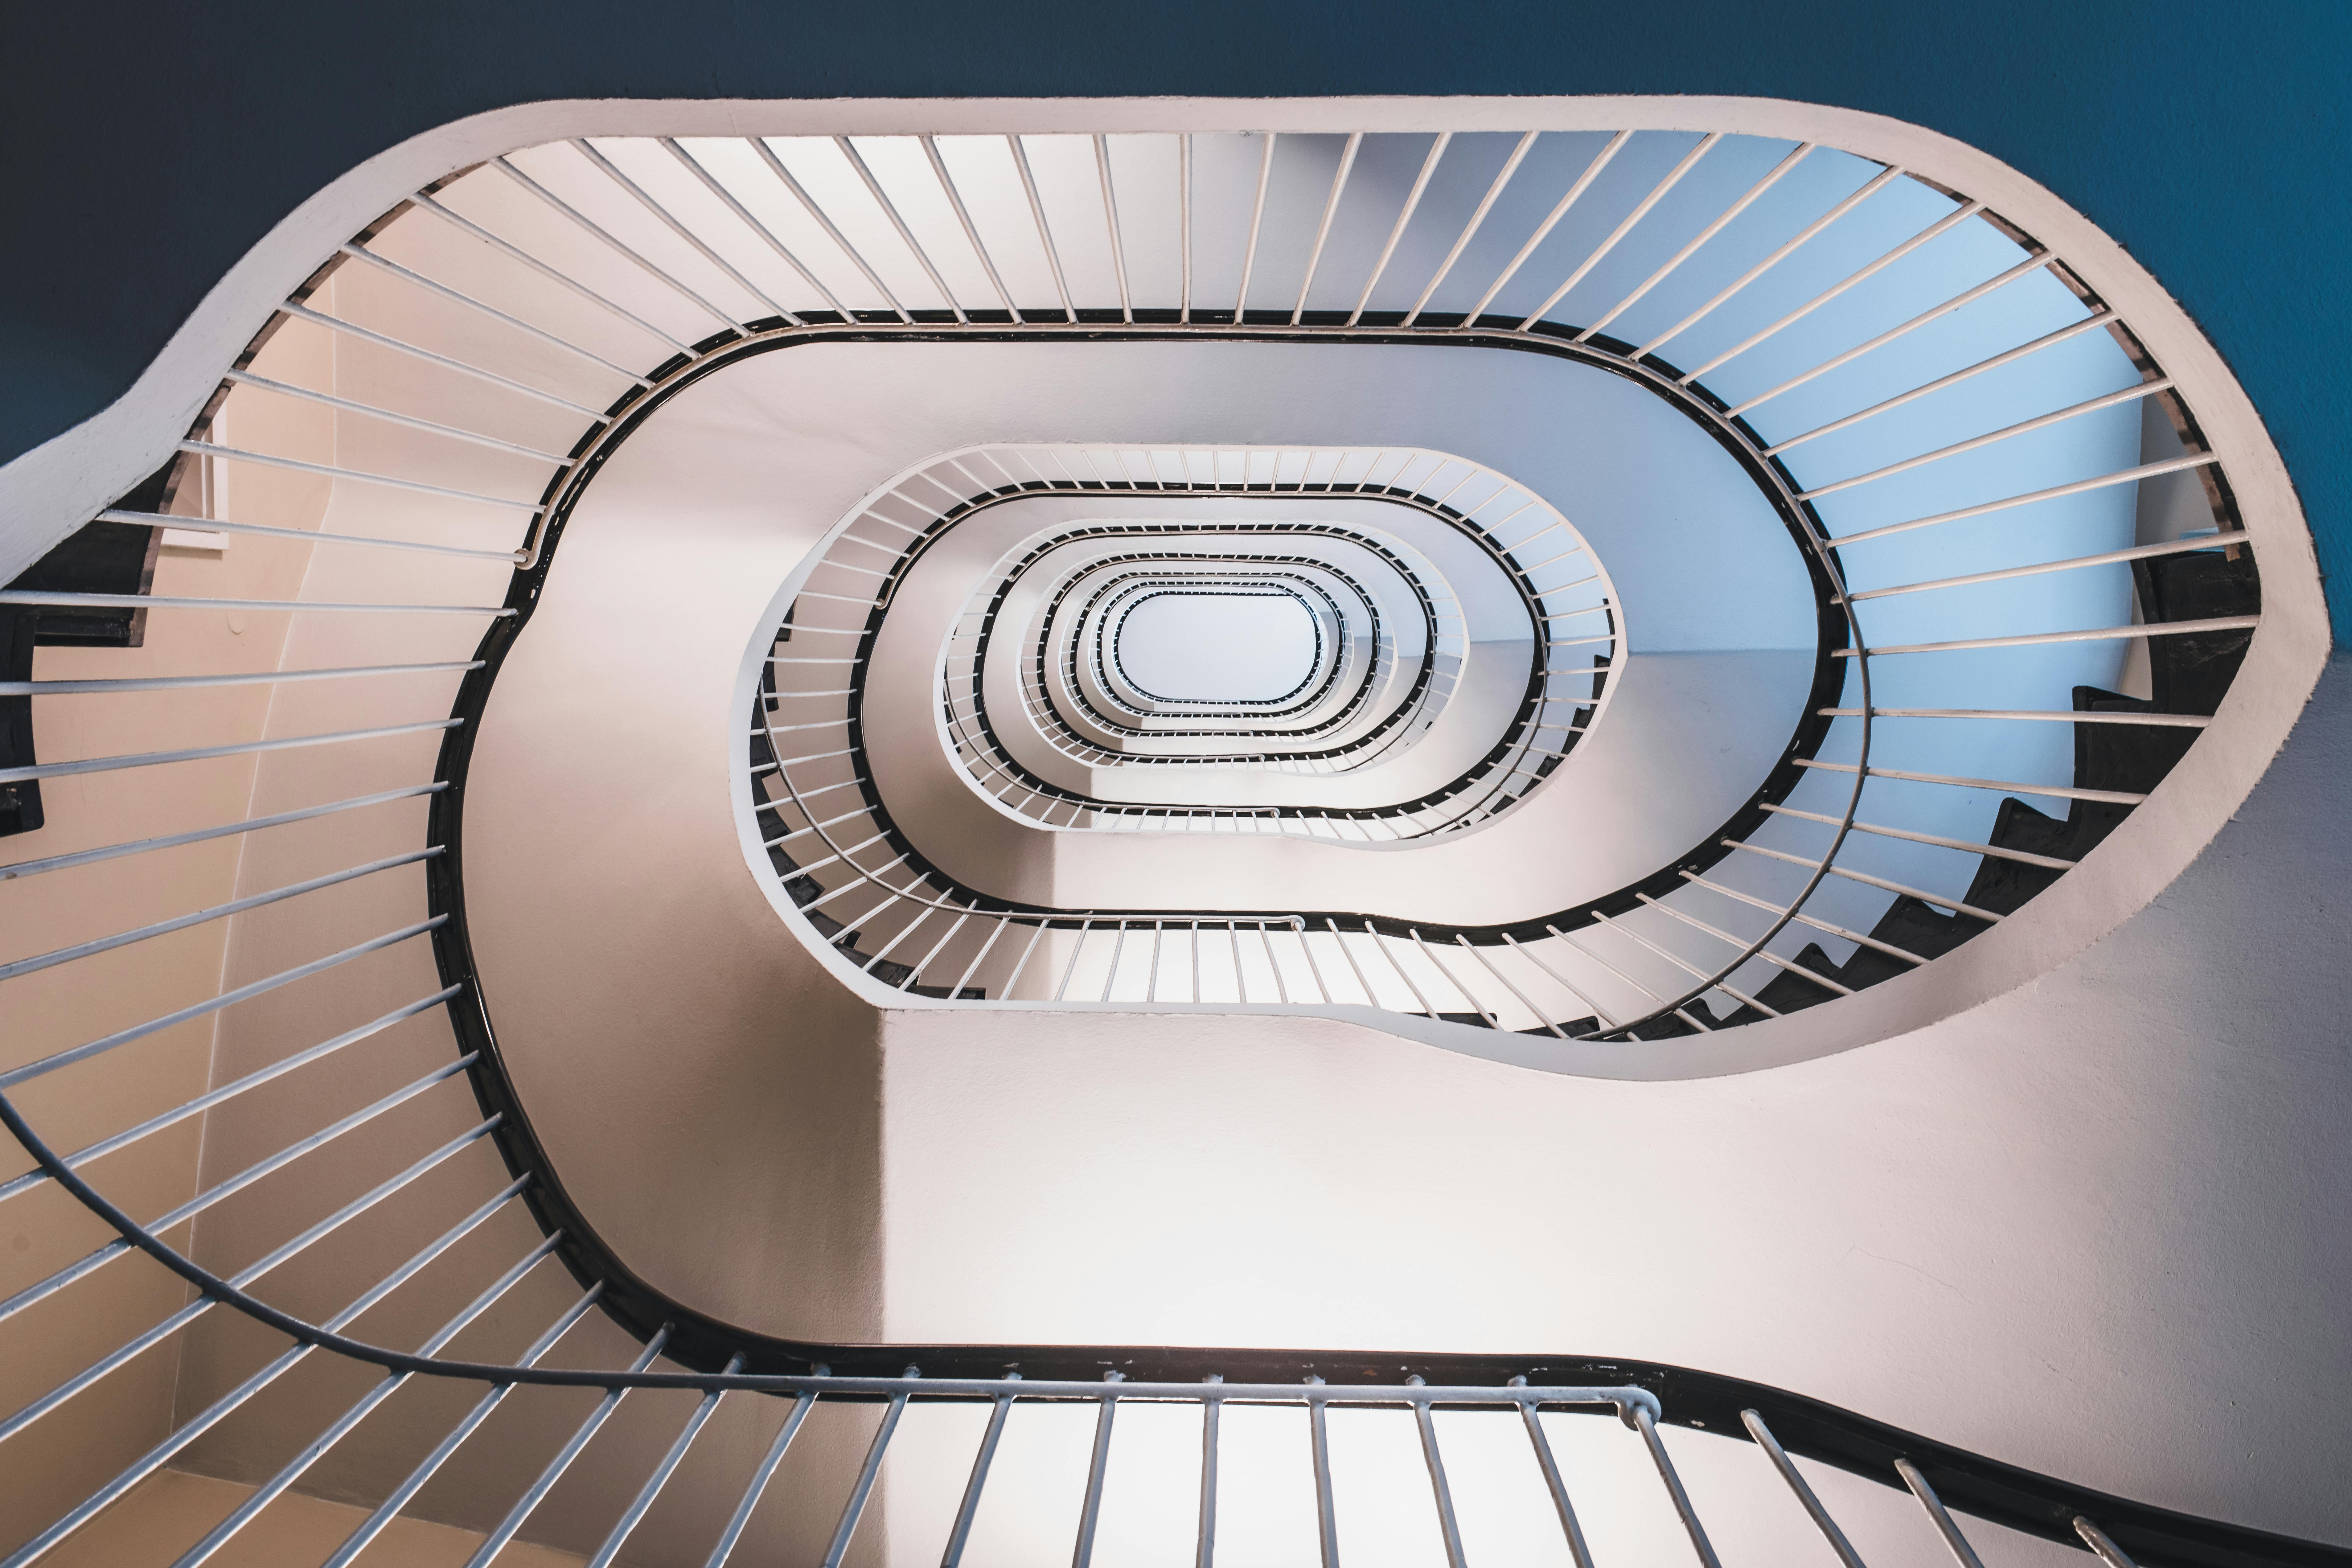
x,y
143,148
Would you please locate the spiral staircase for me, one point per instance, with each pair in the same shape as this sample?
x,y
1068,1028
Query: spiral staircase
x,y
675,676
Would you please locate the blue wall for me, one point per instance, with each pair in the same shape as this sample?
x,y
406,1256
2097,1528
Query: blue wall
x,y
144,148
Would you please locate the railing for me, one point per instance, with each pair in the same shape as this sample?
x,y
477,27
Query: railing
x,y
1109,1381
1644,1397
482,500
1567,610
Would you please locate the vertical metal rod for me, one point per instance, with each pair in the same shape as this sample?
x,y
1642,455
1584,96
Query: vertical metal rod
x,y
1641,211
1151,981
971,233
855,1505
1326,1519
916,972
1788,1469
1382,945
1110,975
1184,220
1550,1467
1205,1552
890,210
694,167
660,1477
316,1449
1233,941
1257,217
1621,975
1323,233
1514,990
1369,1000
1090,1514
1796,157
1583,181
1321,986
969,1510
1281,988
1014,979
507,168
1405,217
760,1477
808,205
1084,926
1649,1430
1486,206
189,1431
1196,961
2096,1540
1435,957
1957,216
977,959
1538,961
387,1510
1437,1486
1876,182
1044,236
495,1541
1962,1552
1110,215
361,253
663,214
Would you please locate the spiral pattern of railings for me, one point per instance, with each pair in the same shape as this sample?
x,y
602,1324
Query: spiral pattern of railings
x,y
505,331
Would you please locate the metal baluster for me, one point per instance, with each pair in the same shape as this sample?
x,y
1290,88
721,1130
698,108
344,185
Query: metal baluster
x,y
1649,1430
1257,218
1405,217
1110,974
2096,1540
1371,1000
387,1510
1962,1552
1281,987
1514,990
761,1475
969,1510
864,1489
1380,945
1323,231
1327,1520
1552,1481
316,1449
495,1541
644,1500
1083,926
1788,1469
1205,1552
1493,1020
1437,1485
1090,1515
1299,929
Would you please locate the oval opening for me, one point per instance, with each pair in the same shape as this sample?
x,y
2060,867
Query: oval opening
x,y
1218,646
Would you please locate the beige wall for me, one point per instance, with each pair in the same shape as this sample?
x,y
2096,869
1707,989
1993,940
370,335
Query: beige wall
x,y
65,1455
159,1520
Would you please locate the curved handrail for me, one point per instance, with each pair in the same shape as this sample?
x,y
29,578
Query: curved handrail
x,y
1638,1392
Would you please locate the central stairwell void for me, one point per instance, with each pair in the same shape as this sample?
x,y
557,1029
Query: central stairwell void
x,y
708,648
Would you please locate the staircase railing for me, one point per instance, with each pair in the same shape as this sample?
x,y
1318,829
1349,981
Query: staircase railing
x,y
499,493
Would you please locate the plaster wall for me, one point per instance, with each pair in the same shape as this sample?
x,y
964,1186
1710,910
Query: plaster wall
x,y
2092,1228
69,1452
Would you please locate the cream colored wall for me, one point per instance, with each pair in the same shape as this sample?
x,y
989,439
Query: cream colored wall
x,y
541,1030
